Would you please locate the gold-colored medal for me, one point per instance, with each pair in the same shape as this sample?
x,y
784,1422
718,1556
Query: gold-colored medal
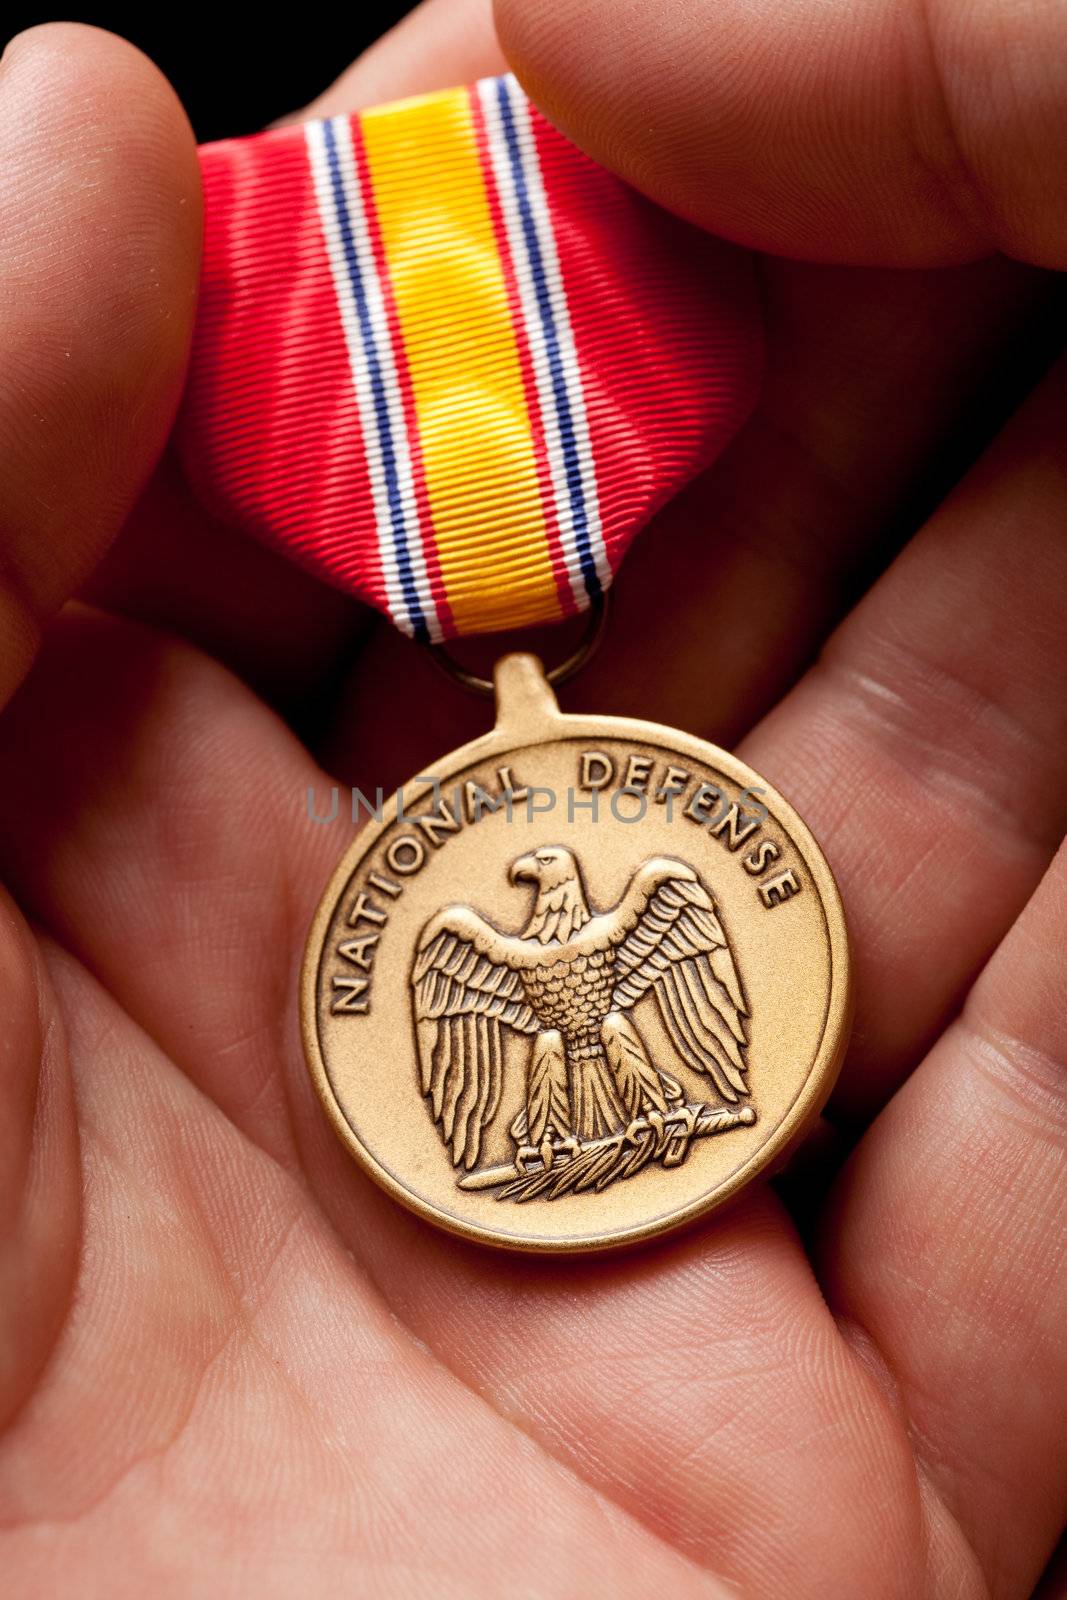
x,y
579,984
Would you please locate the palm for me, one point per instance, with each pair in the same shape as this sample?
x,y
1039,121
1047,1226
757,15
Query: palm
x,y
226,1353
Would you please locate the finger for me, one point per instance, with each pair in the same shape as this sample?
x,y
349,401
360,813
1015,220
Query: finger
x,y
949,1252
98,265
174,565
40,1176
720,604
676,1384
890,132
99,248
928,747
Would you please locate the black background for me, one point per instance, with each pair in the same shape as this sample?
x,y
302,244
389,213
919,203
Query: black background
x,y
235,71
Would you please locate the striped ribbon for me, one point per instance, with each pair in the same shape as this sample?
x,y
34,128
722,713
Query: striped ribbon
x,y
451,365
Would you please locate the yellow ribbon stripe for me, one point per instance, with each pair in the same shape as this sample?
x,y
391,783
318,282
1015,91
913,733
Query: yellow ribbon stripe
x,y
455,320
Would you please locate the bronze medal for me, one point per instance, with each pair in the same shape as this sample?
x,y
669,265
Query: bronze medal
x,y
579,984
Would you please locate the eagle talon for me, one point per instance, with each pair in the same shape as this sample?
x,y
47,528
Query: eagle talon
x,y
533,1159
683,1119
680,1126
531,1152
662,1133
636,1131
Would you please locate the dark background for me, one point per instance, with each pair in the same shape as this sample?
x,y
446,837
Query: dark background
x,y
236,71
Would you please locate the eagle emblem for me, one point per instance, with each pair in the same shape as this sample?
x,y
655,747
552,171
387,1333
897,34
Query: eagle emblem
x,y
596,1108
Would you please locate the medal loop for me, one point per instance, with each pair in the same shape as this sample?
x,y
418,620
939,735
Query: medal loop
x,y
597,616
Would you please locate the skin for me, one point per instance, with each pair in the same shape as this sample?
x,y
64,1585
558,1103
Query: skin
x,y
227,1364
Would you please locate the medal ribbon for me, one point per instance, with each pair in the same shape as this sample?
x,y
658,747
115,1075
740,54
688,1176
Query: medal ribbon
x,y
448,363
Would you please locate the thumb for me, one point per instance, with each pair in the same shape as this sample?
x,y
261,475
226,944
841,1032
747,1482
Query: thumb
x,y
99,256
892,132
99,244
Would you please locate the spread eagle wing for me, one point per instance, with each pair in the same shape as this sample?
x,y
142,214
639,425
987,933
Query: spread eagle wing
x,y
667,937
465,992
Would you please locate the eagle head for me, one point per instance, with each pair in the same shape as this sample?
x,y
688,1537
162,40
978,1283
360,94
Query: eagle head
x,y
561,907
548,867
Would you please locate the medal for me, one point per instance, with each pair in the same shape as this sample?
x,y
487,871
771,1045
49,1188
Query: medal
x,y
581,981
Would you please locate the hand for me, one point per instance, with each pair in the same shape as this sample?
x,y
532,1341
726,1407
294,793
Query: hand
x,y
229,1365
